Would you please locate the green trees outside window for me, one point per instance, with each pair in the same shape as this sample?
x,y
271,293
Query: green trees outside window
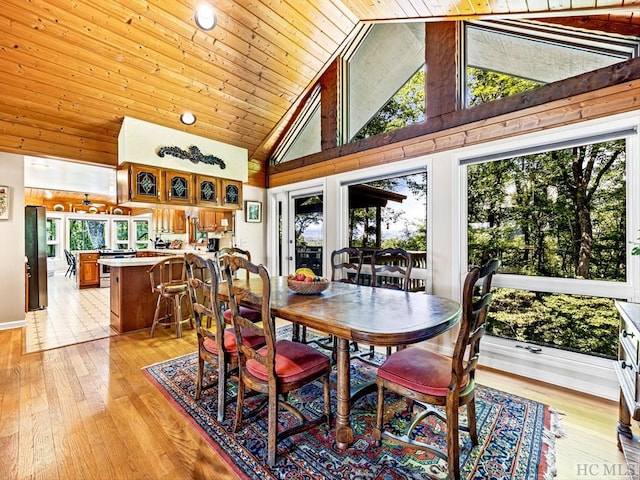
x,y
142,234
122,234
560,214
52,238
87,234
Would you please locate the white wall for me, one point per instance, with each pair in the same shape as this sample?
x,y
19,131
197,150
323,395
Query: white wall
x,y
252,236
12,292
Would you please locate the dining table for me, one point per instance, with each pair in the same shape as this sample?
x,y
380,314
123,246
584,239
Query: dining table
x,y
373,316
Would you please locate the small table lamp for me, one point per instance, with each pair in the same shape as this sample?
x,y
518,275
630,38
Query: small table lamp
x,y
224,223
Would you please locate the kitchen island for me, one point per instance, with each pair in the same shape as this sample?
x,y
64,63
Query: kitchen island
x,y
133,302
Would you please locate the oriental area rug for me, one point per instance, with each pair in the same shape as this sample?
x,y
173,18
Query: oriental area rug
x,y
516,435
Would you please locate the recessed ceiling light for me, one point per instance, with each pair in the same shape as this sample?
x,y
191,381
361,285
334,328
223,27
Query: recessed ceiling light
x,y
188,118
205,17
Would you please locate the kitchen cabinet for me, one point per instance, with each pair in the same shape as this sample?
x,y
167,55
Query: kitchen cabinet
x,y
169,220
179,221
88,270
143,254
132,303
231,193
211,220
142,185
139,183
628,371
207,191
179,187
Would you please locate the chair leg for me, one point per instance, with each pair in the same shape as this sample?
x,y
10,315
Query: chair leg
x,y
272,434
156,315
377,431
200,375
327,399
222,387
453,445
471,421
239,403
177,312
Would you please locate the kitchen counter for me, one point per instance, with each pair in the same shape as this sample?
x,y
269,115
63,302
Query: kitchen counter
x,y
132,300
148,261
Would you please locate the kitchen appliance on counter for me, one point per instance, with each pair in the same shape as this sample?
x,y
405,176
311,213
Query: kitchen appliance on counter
x,y
105,270
35,246
213,245
159,243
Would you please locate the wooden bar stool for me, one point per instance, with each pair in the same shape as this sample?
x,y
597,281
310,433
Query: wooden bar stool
x,y
168,279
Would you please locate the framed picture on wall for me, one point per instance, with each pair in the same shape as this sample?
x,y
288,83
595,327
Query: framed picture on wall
x,y
252,212
4,203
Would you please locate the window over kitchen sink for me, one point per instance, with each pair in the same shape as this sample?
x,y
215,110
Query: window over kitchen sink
x,y
87,234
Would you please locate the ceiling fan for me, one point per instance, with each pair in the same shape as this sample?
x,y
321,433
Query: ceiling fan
x,y
89,203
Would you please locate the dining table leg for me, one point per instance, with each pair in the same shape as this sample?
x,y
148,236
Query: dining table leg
x,y
344,432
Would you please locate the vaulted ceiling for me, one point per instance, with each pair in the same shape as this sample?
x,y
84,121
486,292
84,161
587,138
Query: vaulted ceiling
x,y
70,71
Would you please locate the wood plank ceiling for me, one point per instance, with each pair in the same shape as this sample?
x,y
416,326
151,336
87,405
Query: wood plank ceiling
x,y
70,71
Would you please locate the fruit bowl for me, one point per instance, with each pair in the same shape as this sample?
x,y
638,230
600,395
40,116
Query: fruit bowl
x,y
307,288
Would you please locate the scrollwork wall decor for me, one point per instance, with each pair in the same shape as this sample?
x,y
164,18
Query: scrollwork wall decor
x,y
192,154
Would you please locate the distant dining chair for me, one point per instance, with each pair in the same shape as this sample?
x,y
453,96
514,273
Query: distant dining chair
x,y
216,343
71,263
390,268
346,264
275,369
430,378
167,278
250,313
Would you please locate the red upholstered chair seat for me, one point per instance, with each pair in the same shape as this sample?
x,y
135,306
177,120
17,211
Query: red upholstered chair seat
x,y
246,312
249,338
294,361
406,368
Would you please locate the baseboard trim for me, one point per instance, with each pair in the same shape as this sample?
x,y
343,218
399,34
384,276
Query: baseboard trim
x,y
14,324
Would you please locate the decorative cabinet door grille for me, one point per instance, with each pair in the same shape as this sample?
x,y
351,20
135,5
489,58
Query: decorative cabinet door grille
x,y
146,184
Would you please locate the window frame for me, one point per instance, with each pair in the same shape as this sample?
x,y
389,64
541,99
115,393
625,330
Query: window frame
x,y
588,373
57,241
114,240
551,34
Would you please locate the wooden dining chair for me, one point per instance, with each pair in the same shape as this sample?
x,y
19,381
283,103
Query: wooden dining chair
x,y
432,379
275,369
216,343
167,278
346,264
250,313
390,268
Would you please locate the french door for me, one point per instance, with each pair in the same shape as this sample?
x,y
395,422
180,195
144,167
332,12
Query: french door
x,y
306,230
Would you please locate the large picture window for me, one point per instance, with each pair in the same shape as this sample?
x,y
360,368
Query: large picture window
x,y
87,234
558,215
503,58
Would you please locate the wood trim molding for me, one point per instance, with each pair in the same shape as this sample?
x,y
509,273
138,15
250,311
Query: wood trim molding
x,y
603,92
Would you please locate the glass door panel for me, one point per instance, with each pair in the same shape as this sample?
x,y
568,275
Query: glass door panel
x,y
306,232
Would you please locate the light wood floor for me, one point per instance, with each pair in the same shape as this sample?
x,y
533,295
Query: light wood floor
x,y
87,411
